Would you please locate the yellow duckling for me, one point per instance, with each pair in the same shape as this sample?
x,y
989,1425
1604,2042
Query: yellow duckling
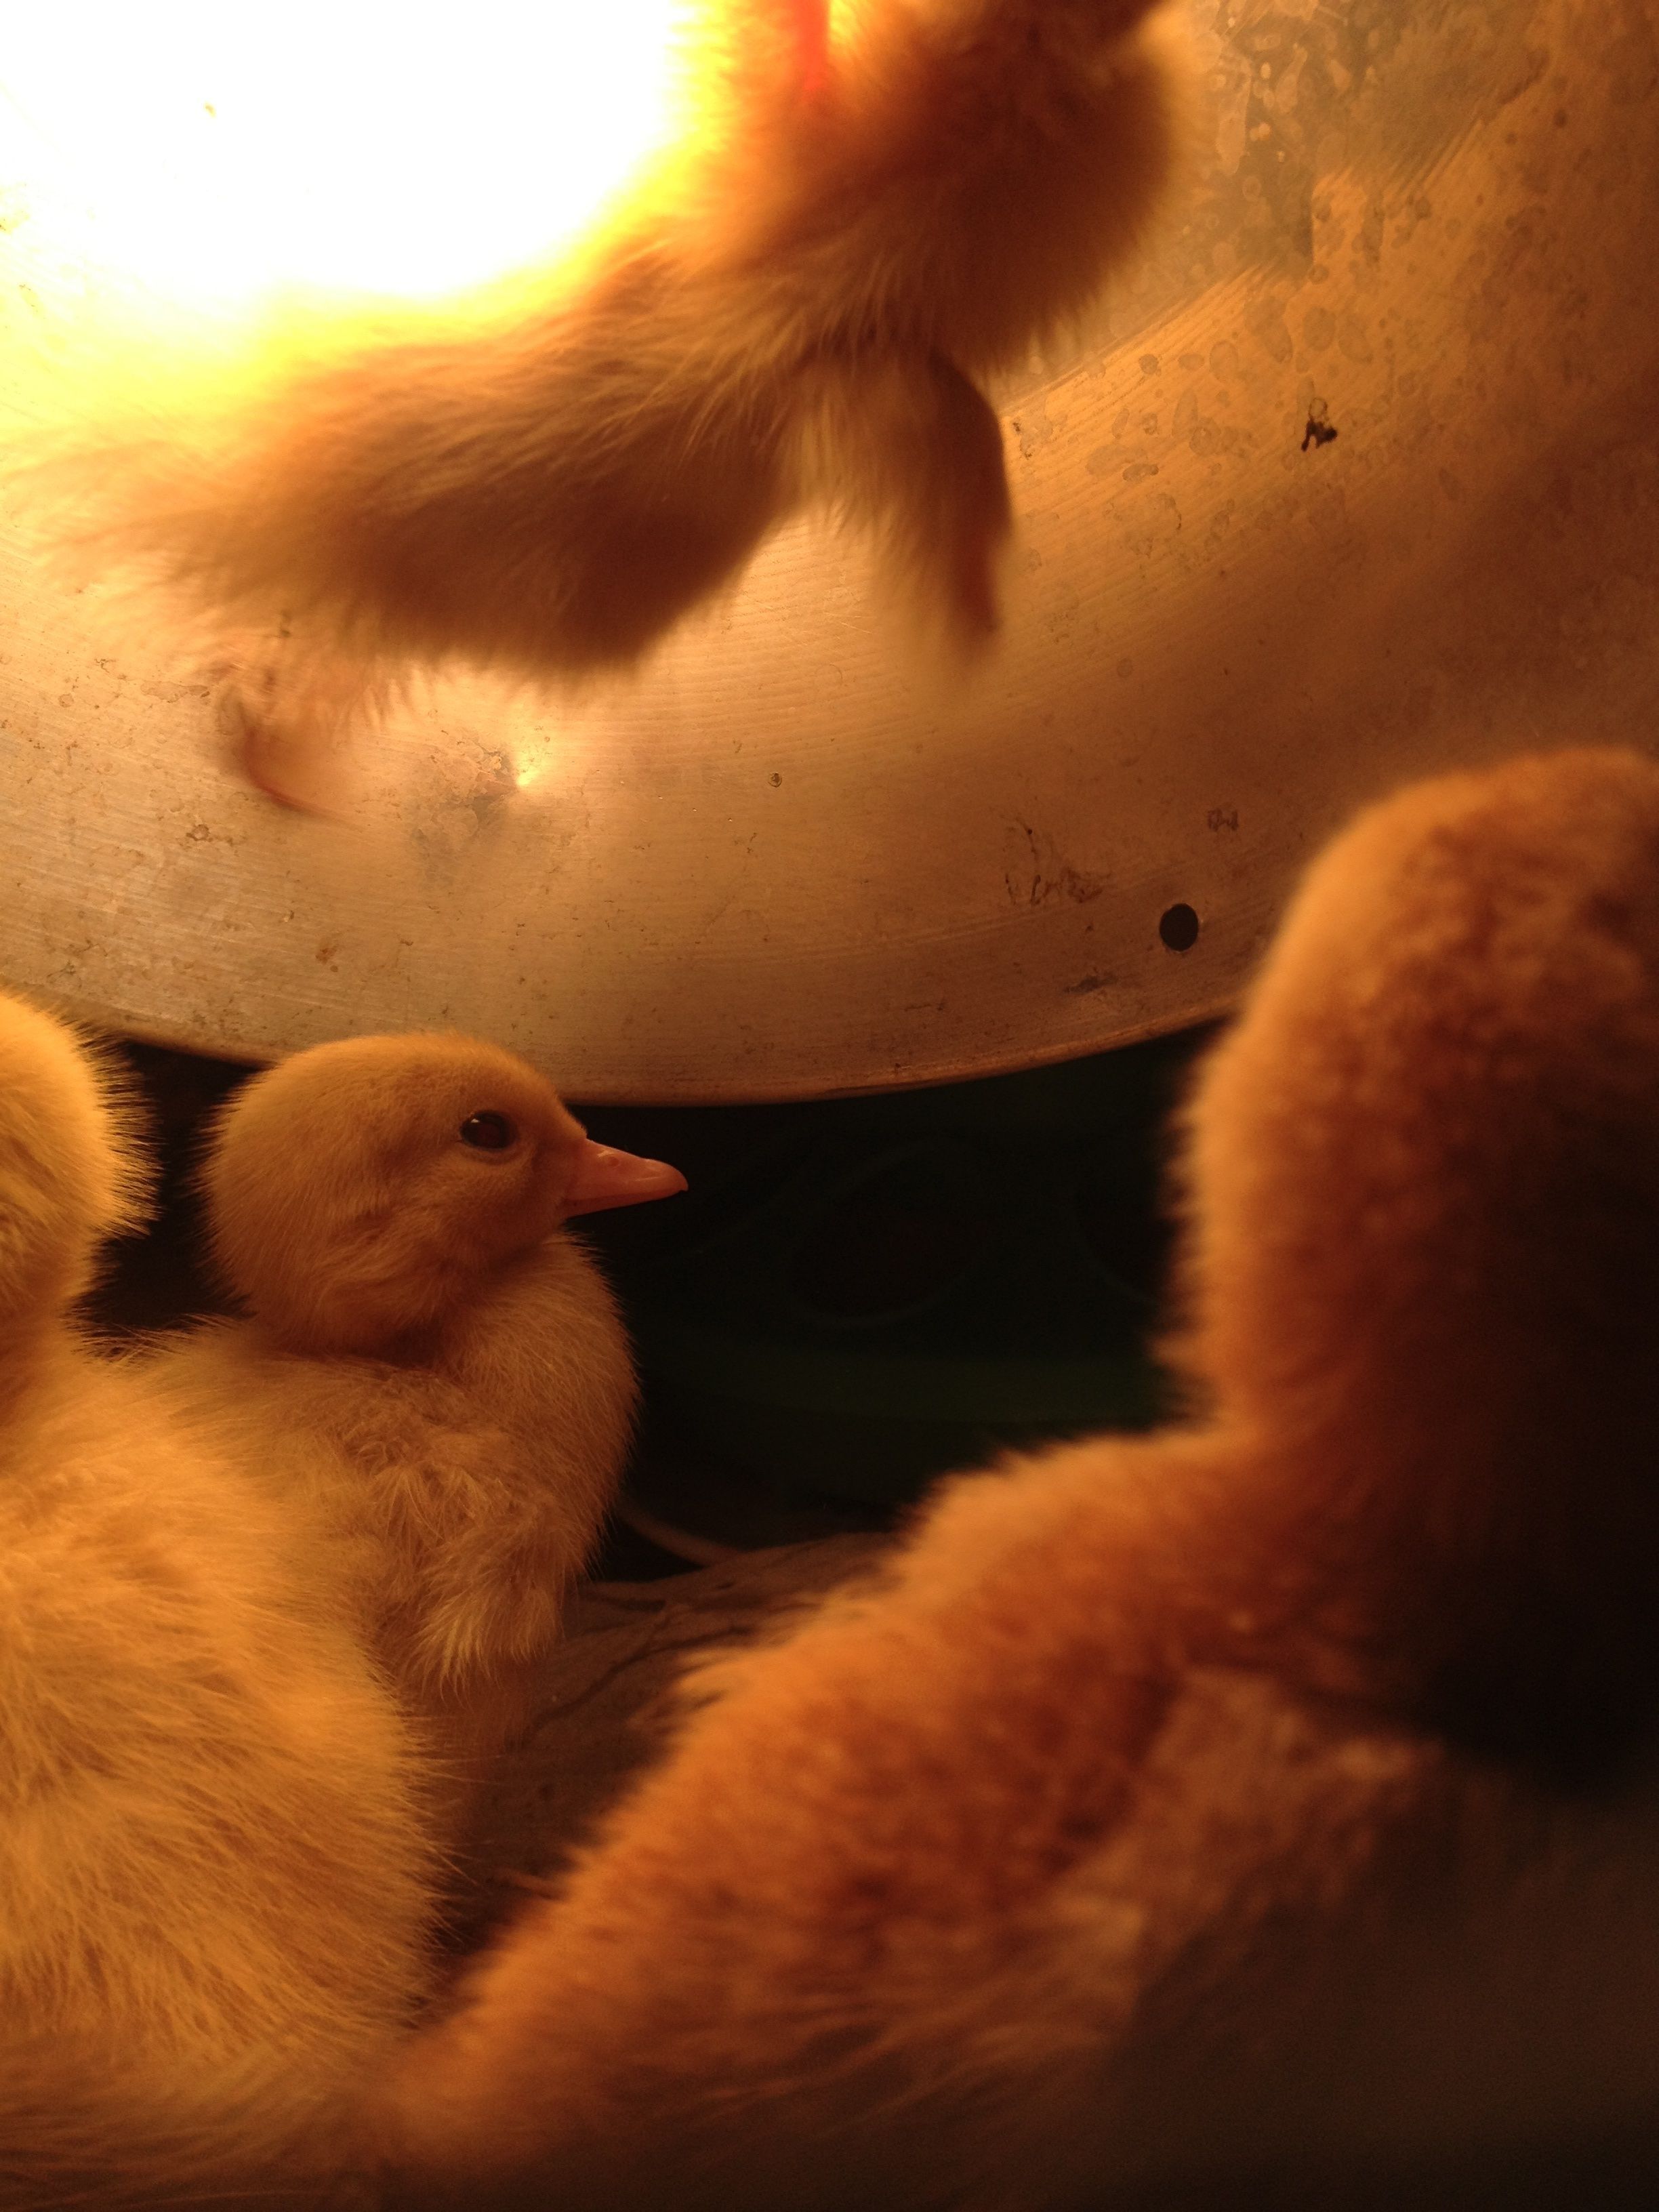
x,y
432,1380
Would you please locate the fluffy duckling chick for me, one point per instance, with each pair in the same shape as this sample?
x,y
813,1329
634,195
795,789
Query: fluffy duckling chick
x,y
872,208
433,1377
214,1885
1211,1807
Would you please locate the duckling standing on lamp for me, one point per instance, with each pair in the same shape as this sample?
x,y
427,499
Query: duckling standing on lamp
x,y
1208,1810
433,1379
873,208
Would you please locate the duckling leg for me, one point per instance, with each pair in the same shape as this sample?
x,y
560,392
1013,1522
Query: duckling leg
x,y
287,712
908,446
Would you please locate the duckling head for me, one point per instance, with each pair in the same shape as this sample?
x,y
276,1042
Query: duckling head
x,y
361,1192
1423,1263
1426,1162
70,1173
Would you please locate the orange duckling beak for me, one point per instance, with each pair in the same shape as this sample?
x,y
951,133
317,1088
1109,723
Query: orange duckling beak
x,y
605,1177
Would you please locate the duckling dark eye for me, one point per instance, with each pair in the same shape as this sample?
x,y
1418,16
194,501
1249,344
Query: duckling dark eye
x,y
488,1133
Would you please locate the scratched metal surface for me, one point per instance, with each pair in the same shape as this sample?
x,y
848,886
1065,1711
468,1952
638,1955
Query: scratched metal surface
x,y
781,862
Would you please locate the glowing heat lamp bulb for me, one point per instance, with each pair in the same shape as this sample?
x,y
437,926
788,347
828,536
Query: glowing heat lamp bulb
x,y
217,151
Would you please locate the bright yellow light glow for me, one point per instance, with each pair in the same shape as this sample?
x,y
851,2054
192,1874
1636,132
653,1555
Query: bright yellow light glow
x,y
218,151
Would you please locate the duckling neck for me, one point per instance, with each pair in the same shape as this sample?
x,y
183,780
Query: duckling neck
x,y
1498,1585
491,1324
544,1333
